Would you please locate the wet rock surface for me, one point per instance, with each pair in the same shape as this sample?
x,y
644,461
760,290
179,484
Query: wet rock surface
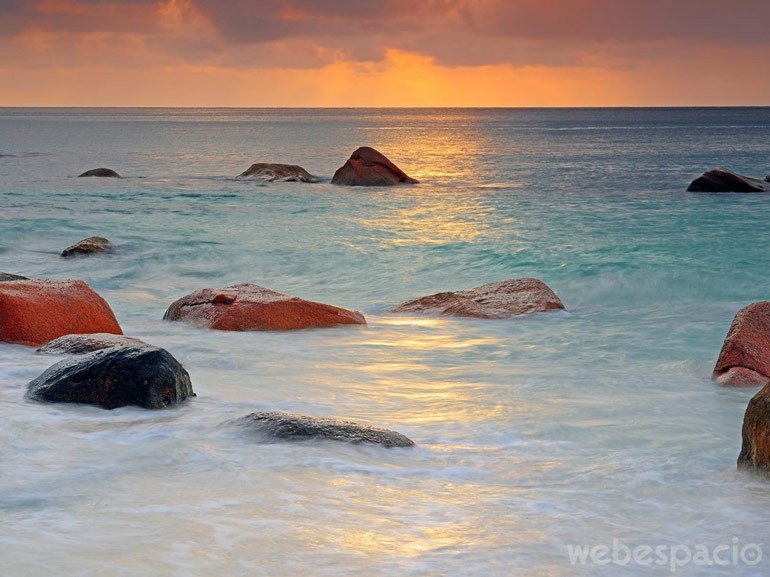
x,y
4,276
369,167
79,344
90,245
755,449
745,356
271,172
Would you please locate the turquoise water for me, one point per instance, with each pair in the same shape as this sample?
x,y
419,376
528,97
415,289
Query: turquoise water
x,y
534,434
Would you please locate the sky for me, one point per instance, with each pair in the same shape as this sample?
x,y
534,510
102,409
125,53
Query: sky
x,y
360,53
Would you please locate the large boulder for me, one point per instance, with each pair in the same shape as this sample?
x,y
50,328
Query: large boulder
x,y
144,376
102,172
269,172
90,245
5,276
724,180
745,355
248,307
368,167
80,344
495,300
755,450
33,312
288,426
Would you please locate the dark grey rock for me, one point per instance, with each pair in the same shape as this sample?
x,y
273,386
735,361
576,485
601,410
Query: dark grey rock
x,y
288,426
79,344
90,245
146,376
4,276
724,180
103,172
271,172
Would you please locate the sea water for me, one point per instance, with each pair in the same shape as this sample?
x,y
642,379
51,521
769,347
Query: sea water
x,y
596,429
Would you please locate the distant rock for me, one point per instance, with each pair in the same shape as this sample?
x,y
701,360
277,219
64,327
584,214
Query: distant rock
x,y
724,180
755,450
90,245
248,307
495,300
287,426
79,344
745,356
103,172
144,376
268,172
368,167
4,276
33,312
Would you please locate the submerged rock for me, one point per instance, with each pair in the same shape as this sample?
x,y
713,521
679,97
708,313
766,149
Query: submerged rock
x,y
724,180
269,172
79,344
495,300
248,307
144,376
33,312
368,167
103,172
755,450
4,276
288,426
745,355
90,245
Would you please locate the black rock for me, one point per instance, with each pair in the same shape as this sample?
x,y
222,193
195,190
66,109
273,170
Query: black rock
x,y
145,376
103,172
724,180
4,276
287,426
79,344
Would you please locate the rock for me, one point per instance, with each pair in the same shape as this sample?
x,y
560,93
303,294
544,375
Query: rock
x,y
281,172
755,450
248,307
103,172
33,312
495,300
90,245
368,167
745,355
144,376
79,344
4,276
287,426
724,180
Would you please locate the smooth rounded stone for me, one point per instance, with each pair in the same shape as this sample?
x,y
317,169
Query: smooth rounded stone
x,y
724,180
79,344
249,307
755,450
368,167
102,172
288,426
144,376
270,172
495,300
5,276
745,356
90,245
33,312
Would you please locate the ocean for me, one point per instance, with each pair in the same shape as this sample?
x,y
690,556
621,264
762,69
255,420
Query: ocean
x,y
594,430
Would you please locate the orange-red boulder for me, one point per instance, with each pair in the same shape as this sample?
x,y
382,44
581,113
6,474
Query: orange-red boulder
x,y
745,355
368,167
33,312
248,307
755,451
495,300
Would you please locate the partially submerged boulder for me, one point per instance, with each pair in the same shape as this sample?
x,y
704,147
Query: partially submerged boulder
x,y
495,300
4,276
755,450
724,180
90,245
144,376
287,426
249,307
80,344
270,172
102,172
33,312
745,356
368,167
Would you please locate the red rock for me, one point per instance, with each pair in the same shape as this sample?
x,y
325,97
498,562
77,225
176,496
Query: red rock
x,y
248,307
745,355
495,300
755,451
33,312
368,167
